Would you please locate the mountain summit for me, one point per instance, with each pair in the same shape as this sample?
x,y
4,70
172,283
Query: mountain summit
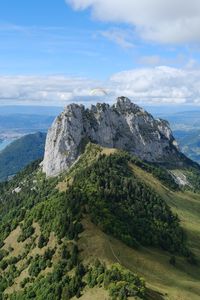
x,y
124,125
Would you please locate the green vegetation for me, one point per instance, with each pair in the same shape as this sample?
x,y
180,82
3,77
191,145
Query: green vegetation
x,y
124,206
21,153
42,241
120,282
39,263
103,188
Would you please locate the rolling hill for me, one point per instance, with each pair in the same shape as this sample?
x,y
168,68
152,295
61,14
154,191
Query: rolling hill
x,y
111,225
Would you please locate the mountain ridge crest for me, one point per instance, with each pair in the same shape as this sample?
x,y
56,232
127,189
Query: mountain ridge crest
x,y
123,125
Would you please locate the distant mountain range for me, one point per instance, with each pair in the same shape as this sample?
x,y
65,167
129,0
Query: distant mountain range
x,y
16,121
189,141
186,129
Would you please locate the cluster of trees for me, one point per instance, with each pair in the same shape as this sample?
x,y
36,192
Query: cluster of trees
x,y
40,262
15,206
124,206
193,175
57,284
7,278
40,201
27,230
120,282
61,214
42,241
8,269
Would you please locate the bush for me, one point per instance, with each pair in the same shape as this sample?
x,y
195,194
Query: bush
x,y
120,282
24,282
3,264
40,263
42,241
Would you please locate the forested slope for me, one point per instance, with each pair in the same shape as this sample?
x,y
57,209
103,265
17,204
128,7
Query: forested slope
x,y
130,210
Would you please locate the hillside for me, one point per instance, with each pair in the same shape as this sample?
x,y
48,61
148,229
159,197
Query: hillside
x,y
132,216
20,153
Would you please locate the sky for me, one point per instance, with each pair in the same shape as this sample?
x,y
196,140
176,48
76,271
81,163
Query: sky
x,y
53,52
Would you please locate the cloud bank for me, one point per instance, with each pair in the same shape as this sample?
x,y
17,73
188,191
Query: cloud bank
x,y
163,21
159,85
148,85
43,90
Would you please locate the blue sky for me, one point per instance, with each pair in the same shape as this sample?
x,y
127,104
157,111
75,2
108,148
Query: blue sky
x,y
48,37
63,41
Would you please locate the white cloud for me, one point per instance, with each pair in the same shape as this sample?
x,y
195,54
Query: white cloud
x,y
164,21
145,85
159,85
44,90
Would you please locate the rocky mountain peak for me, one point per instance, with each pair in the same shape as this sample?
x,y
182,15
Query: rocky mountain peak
x,y
124,125
124,102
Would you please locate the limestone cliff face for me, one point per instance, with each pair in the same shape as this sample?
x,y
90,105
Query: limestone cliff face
x,y
123,125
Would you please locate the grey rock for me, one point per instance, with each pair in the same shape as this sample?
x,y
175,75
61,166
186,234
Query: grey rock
x,y
123,125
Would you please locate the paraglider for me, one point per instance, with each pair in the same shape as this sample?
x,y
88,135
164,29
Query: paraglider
x,y
98,92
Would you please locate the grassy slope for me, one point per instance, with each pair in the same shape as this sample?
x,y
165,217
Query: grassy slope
x,y
174,283
182,281
179,282
19,247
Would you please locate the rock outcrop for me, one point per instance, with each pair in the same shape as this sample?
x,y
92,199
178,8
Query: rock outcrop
x,y
123,125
